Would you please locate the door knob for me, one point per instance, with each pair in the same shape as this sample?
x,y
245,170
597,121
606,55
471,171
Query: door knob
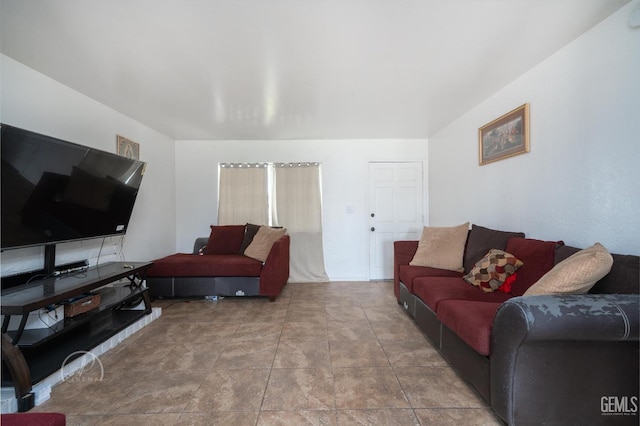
x,y
373,215
373,229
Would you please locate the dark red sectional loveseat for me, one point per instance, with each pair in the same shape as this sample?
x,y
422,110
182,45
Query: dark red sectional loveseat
x,y
541,359
222,265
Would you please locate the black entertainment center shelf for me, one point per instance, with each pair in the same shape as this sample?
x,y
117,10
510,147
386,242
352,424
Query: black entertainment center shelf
x,y
89,335
110,297
25,298
45,350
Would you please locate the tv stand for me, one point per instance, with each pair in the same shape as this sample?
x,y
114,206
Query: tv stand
x,y
44,350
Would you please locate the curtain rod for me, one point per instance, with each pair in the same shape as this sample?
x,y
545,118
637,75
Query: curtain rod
x,y
261,165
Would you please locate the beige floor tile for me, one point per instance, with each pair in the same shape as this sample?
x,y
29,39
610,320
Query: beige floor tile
x,y
387,417
345,313
287,418
248,331
413,352
218,418
389,312
350,330
397,330
304,330
150,392
457,416
355,353
302,354
265,313
250,354
436,387
359,388
299,389
230,390
164,419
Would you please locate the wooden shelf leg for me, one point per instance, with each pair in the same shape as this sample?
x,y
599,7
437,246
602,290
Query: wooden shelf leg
x,y
20,374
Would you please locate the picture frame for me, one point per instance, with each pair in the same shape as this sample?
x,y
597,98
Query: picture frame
x,y
127,148
505,136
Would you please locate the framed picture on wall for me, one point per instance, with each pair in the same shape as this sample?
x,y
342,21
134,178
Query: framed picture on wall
x,y
505,136
128,148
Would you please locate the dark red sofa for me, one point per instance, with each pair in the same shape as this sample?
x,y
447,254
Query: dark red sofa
x,y
548,359
219,267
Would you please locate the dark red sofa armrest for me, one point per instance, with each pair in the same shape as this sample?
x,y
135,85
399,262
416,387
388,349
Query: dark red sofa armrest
x,y
275,271
403,252
33,419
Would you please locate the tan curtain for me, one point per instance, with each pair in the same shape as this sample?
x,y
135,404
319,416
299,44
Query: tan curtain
x,y
243,194
299,209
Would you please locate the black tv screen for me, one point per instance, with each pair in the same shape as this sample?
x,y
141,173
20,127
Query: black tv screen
x,y
56,191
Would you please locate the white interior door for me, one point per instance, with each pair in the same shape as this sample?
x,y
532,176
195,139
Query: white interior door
x,y
395,212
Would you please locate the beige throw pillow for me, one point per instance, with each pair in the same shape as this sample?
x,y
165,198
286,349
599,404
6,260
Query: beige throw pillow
x,y
442,247
263,240
576,274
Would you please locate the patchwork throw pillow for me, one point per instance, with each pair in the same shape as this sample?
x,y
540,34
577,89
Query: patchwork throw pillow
x,y
492,270
576,274
441,247
263,240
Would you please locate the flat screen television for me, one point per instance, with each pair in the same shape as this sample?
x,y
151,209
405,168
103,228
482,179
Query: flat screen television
x,y
56,191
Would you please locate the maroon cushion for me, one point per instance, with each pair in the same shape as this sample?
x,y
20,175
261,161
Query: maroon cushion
x,y
538,257
408,273
33,419
225,239
433,290
471,321
481,240
215,265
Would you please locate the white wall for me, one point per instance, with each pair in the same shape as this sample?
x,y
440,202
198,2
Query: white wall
x,y
35,102
581,181
344,180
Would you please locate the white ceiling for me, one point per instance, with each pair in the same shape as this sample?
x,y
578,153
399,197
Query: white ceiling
x,y
291,69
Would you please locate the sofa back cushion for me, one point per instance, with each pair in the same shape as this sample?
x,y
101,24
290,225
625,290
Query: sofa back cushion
x,y
538,258
481,240
624,277
225,239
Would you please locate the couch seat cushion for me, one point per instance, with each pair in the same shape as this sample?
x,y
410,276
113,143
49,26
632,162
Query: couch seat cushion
x,y
408,273
213,265
470,320
433,290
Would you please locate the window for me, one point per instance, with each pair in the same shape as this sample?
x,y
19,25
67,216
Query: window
x,y
283,194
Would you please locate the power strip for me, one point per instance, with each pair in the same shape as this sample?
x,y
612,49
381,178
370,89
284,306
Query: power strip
x,y
70,270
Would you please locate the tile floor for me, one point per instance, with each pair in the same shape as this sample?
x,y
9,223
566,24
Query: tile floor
x,y
339,353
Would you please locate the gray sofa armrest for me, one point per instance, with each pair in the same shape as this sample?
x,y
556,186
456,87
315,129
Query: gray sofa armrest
x,y
199,244
554,358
